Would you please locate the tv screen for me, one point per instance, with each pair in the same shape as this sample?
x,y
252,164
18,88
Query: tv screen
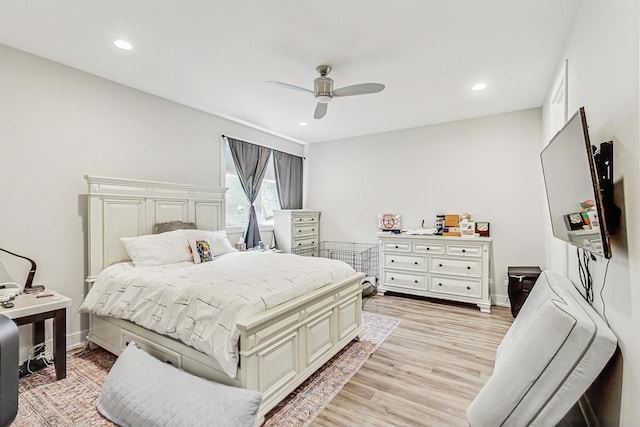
x,y
573,188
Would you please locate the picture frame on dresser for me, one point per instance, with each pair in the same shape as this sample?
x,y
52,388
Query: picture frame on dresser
x,y
482,228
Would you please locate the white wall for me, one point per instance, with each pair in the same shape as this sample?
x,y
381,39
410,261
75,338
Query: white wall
x,y
489,167
58,124
602,53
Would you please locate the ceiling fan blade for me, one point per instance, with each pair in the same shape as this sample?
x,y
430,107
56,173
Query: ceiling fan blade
x,y
360,89
288,86
321,110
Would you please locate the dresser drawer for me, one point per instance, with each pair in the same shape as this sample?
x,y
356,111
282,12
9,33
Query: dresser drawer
x,y
464,250
304,219
397,246
405,280
454,286
464,267
305,230
304,242
407,262
428,248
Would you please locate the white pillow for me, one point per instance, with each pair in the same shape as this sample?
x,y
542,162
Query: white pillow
x,y
158,249
220,245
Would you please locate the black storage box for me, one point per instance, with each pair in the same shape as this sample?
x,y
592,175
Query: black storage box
x,y
521,281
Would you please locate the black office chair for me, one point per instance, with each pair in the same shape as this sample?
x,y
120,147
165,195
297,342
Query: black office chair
x,y
8,371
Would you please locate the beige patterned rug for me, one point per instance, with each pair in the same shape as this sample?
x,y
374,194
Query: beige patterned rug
x,y
71,401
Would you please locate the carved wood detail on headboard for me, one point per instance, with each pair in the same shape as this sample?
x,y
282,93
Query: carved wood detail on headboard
x,y
127,207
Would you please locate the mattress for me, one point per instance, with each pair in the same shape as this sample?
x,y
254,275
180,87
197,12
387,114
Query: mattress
x,y
552,352
200,304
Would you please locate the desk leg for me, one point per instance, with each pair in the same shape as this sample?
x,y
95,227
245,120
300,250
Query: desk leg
x,y
38,333
60,343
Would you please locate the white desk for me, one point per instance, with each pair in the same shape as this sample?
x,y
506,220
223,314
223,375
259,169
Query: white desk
x,y
28,308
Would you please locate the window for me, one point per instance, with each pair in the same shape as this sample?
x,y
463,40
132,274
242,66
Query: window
x,y
237,203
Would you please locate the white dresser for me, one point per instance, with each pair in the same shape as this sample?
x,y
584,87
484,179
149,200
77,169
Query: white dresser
x,y
446,267
297,231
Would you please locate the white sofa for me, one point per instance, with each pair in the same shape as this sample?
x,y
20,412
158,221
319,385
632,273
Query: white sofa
x,y
553,351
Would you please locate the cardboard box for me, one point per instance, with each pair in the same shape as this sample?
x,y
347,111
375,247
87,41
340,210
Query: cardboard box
x,y
451,220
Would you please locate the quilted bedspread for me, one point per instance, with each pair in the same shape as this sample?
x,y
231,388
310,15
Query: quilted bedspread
x,y
200,304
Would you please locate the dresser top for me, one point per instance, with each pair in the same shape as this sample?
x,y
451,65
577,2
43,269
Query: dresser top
x,y
389,235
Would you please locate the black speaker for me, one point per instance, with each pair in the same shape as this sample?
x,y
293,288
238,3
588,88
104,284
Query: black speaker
x,y
521,281
8,371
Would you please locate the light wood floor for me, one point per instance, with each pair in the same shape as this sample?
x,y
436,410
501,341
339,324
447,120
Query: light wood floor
x,y
427,372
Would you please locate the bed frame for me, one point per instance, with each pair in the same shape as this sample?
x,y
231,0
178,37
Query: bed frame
x,y
278,348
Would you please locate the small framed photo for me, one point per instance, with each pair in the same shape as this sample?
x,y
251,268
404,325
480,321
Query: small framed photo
x,y
482,228
467,228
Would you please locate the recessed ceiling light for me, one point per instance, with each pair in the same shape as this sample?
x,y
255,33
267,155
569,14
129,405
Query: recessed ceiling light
x,y
479,86
123,44
302,123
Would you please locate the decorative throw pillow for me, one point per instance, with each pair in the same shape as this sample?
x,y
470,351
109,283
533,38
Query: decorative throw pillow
x,y
220,245
157,249
163,227
201,250
140,390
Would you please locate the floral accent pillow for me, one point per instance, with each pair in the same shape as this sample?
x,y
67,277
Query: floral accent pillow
x,y
201,250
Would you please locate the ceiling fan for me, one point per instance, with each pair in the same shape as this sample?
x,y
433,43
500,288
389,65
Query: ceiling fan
x,y
324,92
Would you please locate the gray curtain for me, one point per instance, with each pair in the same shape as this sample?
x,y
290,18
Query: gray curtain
x,y
251,164
288,170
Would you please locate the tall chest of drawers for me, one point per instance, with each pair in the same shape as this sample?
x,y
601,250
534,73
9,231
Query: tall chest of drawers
x,y
451,268
297,231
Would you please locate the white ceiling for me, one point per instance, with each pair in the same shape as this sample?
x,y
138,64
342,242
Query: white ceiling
x,y
215,55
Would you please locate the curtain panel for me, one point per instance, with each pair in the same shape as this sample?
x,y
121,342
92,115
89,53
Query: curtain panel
x,y
251,163
288,169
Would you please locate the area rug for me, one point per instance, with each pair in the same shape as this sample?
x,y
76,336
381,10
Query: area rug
x,y
44,401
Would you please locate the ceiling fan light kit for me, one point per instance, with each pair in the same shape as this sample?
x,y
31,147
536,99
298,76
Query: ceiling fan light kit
x,y
323,90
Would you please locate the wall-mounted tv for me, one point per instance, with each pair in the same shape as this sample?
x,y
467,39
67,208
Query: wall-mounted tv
x,y
579,181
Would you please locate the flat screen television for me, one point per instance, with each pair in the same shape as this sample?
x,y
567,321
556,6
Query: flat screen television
x,y
579,181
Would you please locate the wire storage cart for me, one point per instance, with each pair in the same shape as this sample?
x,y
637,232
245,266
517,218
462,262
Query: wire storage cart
x,y
363,257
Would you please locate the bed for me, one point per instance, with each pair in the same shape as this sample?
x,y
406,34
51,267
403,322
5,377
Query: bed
x,y
278,347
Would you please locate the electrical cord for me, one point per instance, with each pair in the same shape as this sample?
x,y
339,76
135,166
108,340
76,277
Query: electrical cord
x,y
586,280
604,282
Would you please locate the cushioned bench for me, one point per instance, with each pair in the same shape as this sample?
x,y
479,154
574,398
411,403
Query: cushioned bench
x,y
553,351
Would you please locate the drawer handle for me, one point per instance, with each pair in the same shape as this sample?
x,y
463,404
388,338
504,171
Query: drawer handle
x,y
299,231
428,248
313,243
464,250
299,244
415,262
415,281
468,267
392,261
393,278
439,265
439,284
468,287
396,246
313,229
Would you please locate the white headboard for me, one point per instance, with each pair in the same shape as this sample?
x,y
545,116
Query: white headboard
x,y
127,207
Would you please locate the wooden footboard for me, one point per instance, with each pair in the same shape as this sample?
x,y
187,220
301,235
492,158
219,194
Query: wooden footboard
x,y
279,348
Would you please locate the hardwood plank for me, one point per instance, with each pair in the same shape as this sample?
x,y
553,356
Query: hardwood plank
x,y
427,372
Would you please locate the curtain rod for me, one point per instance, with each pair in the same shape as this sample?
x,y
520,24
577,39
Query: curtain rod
x,y
273,149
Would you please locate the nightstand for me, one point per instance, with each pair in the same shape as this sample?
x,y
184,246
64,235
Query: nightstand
x,y
35,308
